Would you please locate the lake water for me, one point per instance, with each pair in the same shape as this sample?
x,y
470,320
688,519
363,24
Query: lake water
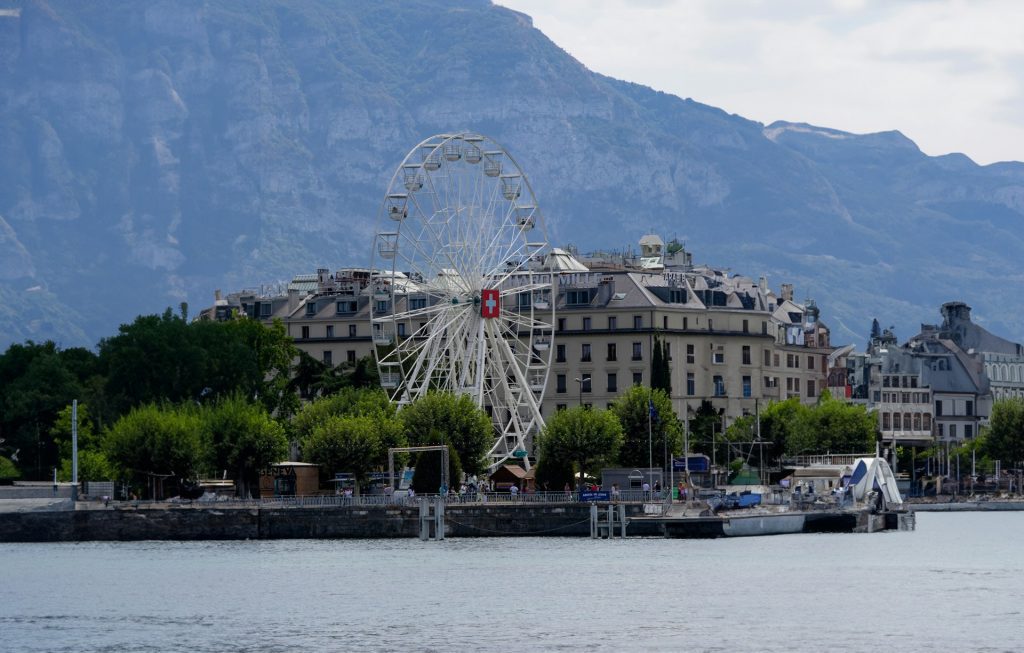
x,y
954,584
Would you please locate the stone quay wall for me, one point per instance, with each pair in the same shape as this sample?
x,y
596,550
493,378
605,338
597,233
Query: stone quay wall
x,y
255,523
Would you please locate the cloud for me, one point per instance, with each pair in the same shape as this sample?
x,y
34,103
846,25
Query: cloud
x,y
946,73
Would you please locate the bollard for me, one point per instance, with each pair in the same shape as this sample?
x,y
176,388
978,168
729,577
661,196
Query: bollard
x,y
439,519
593,521
424,519
622,520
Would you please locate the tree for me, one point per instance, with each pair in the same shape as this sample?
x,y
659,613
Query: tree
x,y
92,462
355,444
445,418
661,371
1004,439
350,401
705,428
153,442
240,437
164,358
580,437
36,382
8,472
838,427
633,412
426,478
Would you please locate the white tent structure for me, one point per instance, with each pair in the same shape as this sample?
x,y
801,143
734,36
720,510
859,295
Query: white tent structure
x,y
874,474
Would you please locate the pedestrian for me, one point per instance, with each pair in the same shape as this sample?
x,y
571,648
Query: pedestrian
x,y
615,491
657,489
647,490
514,491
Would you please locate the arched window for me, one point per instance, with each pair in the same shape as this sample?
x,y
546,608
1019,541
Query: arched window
x,y
906,421
896,422
886,422
928,422
917,421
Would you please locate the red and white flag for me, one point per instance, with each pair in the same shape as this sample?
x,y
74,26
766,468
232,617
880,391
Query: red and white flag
x,y
490,303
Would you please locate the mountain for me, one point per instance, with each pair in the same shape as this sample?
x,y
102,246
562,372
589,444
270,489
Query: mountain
x,y
155,150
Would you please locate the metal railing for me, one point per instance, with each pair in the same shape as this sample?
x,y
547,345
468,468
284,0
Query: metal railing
x,y
398,499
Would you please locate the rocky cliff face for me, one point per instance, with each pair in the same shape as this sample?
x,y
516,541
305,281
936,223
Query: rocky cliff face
x,y
153,151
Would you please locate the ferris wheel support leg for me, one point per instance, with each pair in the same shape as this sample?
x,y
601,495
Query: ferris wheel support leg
x,y
481,347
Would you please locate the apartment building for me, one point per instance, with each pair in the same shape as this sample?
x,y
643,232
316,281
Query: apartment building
x,y
730,340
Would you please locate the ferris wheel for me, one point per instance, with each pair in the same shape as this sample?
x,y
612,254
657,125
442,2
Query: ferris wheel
x,y
460,300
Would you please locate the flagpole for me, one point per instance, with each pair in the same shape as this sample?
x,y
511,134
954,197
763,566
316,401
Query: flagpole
x,y
650,449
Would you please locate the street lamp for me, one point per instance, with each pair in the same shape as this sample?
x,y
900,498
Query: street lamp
x,y
582,381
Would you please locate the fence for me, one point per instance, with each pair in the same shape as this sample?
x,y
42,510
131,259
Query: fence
x,y
453,499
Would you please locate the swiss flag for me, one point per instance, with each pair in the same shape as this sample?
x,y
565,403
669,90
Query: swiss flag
x,y
490,303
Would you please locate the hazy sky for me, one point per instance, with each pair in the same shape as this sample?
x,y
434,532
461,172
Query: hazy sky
x,y
948,74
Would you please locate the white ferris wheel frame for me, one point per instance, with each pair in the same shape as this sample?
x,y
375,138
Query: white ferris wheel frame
x,y
460,218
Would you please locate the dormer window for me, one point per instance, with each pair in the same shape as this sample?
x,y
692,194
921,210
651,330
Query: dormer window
x,y
311,309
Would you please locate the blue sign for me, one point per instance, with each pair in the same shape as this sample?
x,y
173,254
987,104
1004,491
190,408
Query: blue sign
x,y
593,495
697,464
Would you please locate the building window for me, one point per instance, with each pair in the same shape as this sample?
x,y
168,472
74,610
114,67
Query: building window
x,y
938,408
664,322
577,297
613,323
810,388
585,384
613,382
764,328
311,309
746,327
897,422
968,431
952,431
886,423
690,356
746,354
305,332
719,386
775,360
927,422
559,407
586,324
638,378
711,324
350,356
559,353
328,358
767,358
686,322
345,307
401,329
561,324
789,361
691,384
746,386
638,321
560,383
351,331
330,330
382,306
265,309
417,303
718,358
638,351
611,351
585,353
942,431
970,411
917,421
810,362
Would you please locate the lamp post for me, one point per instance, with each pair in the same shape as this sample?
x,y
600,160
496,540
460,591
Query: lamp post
x,y
581,381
